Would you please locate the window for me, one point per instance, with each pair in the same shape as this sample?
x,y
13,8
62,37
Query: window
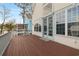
x,y
78,11
45,26
50,26
72,12
73,29
37,27
69,15
60,17
60,29
73,24
60,23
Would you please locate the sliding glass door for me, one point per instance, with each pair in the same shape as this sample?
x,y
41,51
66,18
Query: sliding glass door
x,y
48,26
44,26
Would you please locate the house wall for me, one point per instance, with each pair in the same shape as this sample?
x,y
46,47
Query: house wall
x,y
39,12
59,6
65,39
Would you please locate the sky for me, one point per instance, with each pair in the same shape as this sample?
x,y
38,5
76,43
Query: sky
x,y
14,12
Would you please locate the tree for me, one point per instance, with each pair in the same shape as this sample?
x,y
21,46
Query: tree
x,y
9,26
26,8
4,12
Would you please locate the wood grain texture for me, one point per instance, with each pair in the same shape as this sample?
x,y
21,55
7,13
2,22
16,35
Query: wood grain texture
x,y
33,46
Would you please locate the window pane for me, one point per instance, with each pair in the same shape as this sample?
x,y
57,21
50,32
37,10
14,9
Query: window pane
x,y
61,29
60,23
39,28
73,24
73,29
45,26
50,26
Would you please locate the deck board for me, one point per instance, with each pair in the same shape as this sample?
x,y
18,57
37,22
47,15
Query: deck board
x,y
33,46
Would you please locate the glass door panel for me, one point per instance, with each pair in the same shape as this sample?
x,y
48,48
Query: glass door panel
x,y
50,26
45,26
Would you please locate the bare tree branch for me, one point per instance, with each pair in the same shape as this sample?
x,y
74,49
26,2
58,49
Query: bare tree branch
x,y
4,14
26,8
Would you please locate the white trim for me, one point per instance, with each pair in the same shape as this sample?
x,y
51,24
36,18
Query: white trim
x,y
66,24
44,5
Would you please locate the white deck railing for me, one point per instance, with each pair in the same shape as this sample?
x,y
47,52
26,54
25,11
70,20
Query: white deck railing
x,y
4,41
22,32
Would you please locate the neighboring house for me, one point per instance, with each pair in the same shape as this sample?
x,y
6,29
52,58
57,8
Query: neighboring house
x,y
55,21
28,21
20,29
29,27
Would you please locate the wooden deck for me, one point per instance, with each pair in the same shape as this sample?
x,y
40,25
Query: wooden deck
x,y
34,46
